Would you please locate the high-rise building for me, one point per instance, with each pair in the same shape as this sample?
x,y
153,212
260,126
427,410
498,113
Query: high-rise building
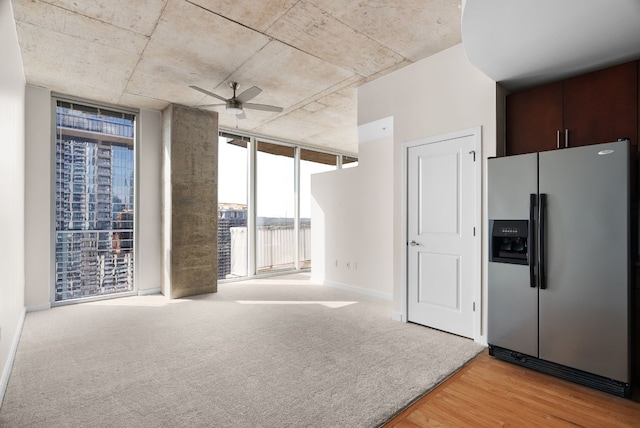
x,y
229,216
94,201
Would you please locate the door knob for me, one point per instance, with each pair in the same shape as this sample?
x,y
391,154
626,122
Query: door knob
x,y
413,243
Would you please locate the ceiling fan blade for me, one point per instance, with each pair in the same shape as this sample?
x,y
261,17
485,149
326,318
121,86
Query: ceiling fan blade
x,y
211,105
263,107
249,94
204,91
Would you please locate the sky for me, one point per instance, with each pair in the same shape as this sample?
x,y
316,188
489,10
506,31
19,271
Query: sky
x,y
275,179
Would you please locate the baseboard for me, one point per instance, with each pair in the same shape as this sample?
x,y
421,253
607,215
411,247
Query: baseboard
x,y
37,308
6,373
316,280
360,290
149,291
397,316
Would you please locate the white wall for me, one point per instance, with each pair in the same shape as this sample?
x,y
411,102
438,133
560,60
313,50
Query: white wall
x,y
12,177
148,239
438,95
352,222
38,199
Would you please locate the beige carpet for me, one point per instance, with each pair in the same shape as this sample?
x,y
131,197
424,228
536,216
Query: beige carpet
x,y
280,352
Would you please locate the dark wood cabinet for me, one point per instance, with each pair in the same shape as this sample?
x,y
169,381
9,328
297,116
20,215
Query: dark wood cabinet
x,y
534,117
602,106
593,108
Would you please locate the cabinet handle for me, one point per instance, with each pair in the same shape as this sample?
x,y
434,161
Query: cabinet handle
x,y
558,138
566,137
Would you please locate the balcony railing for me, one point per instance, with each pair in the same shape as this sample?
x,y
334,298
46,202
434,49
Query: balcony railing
x,y
93,262
97,262
275,250
104,125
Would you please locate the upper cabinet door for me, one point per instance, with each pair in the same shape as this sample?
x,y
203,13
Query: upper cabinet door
x,y
602,106
534,118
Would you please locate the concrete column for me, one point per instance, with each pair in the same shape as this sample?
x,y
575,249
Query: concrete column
x,y
190,202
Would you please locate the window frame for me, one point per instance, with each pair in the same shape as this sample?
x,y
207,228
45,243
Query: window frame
x,y
252,141
110,108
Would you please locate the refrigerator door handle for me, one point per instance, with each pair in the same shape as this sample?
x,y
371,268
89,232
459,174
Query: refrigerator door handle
x,y
532,246
541,239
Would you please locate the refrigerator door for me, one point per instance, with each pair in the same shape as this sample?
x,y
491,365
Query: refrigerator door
x,y
584,307
512,316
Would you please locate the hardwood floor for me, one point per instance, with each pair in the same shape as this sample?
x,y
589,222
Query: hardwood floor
x,y
489,393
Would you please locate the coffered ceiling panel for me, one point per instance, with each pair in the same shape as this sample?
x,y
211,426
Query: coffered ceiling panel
x,y
63,55
307,56
86,32
204,43
162,80
269,70
140,16
317,32
256,16
408,27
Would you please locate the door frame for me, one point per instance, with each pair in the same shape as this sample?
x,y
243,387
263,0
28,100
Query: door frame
x,y
476,133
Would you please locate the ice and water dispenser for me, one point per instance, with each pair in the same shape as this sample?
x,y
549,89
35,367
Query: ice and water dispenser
x,y
509,241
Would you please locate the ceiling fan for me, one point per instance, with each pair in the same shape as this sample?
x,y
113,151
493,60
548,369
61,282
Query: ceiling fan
x,y
237,103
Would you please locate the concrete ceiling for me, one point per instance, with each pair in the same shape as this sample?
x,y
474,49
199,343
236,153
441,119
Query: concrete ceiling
x,y
308,56
525,43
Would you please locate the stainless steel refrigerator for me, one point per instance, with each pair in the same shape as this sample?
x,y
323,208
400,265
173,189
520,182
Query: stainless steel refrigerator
x,y
559,263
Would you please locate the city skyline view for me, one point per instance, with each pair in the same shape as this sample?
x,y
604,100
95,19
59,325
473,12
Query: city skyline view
x,y
95,206
95,185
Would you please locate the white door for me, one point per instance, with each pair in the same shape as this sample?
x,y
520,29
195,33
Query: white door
x,y
441,229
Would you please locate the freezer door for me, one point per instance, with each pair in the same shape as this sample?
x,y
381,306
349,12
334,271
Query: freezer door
x,y
584,307
512,317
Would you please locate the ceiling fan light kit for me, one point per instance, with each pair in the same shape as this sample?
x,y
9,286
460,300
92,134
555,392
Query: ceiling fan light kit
x,y
236,104
233,107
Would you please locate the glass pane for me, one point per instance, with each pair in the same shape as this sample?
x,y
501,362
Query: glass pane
x,y
233,240
310,163
275,238
94,202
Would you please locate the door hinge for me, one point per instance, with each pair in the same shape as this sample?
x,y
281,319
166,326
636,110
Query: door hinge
x,y
474,231
474,306
473,152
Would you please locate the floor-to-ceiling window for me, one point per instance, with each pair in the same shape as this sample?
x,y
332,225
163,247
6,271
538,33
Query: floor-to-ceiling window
x,y
275,207
264,203
233,233
94,193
